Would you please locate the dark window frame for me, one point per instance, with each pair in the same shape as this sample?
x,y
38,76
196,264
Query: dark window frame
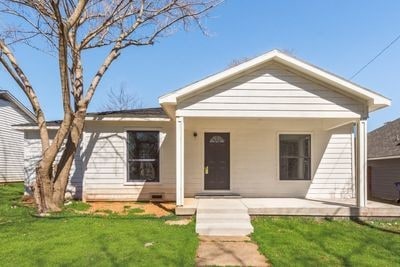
x,y
309,157
129,160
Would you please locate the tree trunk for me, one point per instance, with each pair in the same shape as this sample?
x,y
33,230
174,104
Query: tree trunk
x,y
65,163
44,189
62,175
51,185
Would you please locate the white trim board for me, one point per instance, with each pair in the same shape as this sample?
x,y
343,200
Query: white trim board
x,y
383,158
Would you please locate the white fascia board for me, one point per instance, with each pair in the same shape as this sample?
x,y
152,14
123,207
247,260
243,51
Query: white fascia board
x,y
372,97
32,127
125,118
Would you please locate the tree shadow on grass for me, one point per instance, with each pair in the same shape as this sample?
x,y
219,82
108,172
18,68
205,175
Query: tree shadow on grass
x,y
163,207
369,225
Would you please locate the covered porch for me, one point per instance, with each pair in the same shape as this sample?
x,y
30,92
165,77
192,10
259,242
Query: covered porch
x,y
303,207
337,183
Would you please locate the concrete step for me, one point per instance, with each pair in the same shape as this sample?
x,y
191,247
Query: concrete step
x,y
222,210
214,195
222,217
224,229
218,197
227,216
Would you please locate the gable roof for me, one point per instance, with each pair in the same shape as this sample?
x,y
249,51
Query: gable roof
x,y
375,100
384,142
4,94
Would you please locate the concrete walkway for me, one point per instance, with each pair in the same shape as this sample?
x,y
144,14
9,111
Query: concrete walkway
x,y
229,251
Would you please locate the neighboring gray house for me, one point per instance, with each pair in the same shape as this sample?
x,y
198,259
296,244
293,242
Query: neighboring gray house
x,y
12,141
384,161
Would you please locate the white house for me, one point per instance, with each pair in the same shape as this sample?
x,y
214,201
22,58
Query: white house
x,y
273,126
11,141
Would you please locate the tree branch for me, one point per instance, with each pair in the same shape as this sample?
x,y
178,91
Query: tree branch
x,y
19,76
76,15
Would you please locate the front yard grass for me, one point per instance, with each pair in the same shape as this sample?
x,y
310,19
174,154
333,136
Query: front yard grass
x,y
76,239
322,242
73,238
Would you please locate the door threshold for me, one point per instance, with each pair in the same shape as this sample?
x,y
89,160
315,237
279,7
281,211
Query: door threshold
x,y
218,195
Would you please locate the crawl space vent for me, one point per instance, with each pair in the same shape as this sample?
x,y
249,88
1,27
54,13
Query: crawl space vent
x,y
157,196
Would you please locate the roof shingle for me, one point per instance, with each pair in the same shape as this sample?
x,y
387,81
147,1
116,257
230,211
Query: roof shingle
x,y
385,141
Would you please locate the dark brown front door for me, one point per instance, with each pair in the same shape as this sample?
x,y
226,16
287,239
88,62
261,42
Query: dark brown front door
x,y
216,161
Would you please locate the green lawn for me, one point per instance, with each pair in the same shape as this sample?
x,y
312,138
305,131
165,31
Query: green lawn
x,y
72,239
311,242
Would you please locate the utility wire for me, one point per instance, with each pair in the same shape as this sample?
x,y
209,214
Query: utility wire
x,y
375,57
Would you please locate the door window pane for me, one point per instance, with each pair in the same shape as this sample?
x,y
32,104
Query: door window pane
x,y
217,139
295,157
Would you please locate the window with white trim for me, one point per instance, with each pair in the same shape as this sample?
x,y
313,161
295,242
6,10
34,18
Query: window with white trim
x,y
143,156
295,157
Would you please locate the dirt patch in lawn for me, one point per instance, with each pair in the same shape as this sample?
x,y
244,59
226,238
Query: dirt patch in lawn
x,y
142,208
28,200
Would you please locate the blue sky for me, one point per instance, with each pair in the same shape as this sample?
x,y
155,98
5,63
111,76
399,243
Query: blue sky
x,y
339,36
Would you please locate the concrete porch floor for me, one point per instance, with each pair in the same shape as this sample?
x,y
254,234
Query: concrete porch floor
x,y
304,207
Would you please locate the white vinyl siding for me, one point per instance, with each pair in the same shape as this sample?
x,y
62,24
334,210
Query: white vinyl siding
x,y
272,91
11,142
384,173
334,176
106,171
32,154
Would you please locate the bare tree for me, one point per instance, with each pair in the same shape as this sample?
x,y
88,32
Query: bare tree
x,y
121,99
71,28
238,61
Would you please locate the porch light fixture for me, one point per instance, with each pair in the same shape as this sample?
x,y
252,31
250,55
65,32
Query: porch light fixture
x,y
195,134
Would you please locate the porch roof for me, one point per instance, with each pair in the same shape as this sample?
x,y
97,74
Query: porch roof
x,y
375,101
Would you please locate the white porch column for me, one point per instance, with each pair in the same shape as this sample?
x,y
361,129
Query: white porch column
x,y
180,161
361,167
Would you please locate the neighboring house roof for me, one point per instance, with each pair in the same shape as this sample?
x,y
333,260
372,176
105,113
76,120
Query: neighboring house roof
x,y
384,142
375,101
4,94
